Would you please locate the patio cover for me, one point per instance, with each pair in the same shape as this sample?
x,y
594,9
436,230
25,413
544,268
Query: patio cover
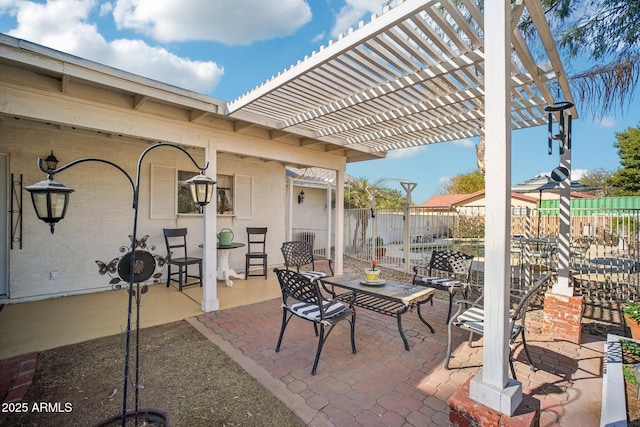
x,y
415,76
412,76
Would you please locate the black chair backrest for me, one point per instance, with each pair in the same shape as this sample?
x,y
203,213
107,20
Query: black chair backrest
x,y
520,313
175,238
295,285
450,261
297,254
256,239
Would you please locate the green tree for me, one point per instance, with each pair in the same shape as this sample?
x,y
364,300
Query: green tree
x,y
598,178
389,198
607,33
360,194
465,183
626,180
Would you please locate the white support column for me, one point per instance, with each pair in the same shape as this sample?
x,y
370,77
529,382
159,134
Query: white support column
x,y
562,287
492,386
408,188
339,262
329,222
210,301
289,214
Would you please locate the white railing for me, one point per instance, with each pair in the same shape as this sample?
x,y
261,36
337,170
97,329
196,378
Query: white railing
x,y
318,238
604,260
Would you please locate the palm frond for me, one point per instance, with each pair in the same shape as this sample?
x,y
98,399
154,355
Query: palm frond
x,y
607,88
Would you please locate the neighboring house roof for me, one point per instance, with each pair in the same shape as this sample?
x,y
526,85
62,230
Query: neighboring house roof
x,y
443,201
580,195
448,201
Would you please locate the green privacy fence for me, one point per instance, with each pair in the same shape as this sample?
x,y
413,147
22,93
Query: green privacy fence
x,y
587,207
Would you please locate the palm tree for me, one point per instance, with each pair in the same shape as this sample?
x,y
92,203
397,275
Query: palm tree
x,y
361,195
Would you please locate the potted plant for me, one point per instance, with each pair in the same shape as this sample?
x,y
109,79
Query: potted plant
x,y
380,249
372,274
632,318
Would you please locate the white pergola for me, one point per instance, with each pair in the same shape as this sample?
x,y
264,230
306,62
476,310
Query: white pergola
x,y
423,72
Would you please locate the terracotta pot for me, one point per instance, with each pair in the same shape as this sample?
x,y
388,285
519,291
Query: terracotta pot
x,y
633,326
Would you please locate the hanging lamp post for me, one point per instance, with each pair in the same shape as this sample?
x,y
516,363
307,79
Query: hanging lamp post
x,y
51,199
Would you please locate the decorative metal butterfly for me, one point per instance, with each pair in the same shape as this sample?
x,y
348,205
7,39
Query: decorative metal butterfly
x,y
107,268
140,243
112,268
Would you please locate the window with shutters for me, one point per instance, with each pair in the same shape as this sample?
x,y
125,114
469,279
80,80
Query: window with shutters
x,y
171,196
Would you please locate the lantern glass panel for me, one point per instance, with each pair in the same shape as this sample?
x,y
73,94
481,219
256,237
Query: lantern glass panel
x,y
40,204
58,204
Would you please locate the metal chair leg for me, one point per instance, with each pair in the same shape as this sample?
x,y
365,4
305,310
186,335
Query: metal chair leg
x,y
285,321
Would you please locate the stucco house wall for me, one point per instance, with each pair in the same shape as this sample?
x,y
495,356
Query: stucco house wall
x,y
78,108
100,215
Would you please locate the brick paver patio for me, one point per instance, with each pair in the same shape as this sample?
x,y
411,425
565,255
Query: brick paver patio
x,y
384,385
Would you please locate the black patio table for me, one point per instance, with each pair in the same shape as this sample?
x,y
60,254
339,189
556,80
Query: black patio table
x,y
386,297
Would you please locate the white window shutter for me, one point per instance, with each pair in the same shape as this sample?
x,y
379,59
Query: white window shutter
x,y
243,188
163,192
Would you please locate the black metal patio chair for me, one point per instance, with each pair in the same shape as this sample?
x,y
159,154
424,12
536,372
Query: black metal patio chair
x,y
470,318
298,255
448,264
301,297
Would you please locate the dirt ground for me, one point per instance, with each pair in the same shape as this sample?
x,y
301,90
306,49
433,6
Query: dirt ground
x,y
182,374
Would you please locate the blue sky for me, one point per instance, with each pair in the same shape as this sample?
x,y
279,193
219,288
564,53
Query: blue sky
x,y
225,48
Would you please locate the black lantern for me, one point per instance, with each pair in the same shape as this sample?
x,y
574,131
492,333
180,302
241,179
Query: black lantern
x,y
51,162
50,200
301,197
201,189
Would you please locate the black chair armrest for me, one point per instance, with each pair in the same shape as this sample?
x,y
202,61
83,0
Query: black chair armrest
x,y
422,270
330,266
475,288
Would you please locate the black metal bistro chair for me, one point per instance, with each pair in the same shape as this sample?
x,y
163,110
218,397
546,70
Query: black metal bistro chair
x,y
176,239
470,318
446,264
256,255
298,255
301,297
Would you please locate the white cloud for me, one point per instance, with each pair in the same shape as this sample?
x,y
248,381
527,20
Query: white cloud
x,y
318,38
465,143
106,9
606,122
64,25
577,174
229,22
444,180
353,12
407,152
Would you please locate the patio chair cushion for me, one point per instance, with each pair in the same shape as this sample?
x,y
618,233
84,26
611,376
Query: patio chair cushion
x,y
312,311
441,281
473,320
312,275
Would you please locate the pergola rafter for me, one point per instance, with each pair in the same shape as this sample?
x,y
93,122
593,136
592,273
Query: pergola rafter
x,y
412,76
